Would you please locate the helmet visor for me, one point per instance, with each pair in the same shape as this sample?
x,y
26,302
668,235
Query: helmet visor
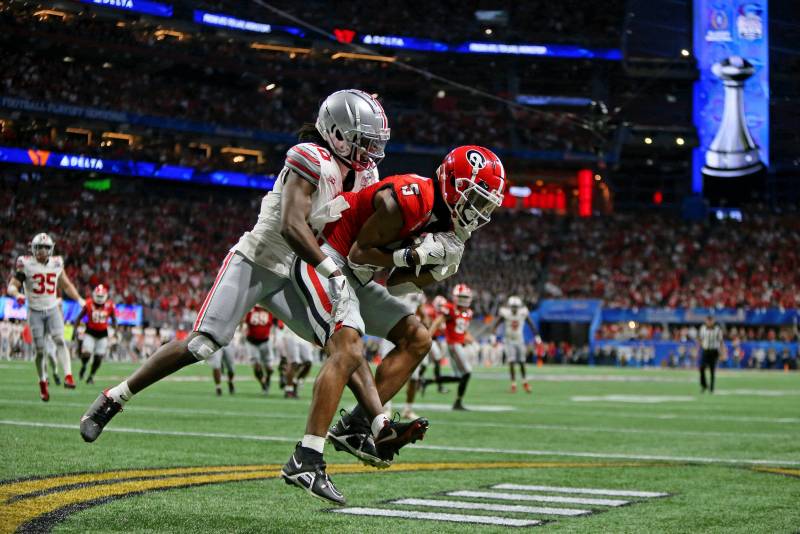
x,y
476,206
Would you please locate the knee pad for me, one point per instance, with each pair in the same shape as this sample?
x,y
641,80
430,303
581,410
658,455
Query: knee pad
x,y
202,347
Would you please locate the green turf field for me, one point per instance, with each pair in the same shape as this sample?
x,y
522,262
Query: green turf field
x,y
709,462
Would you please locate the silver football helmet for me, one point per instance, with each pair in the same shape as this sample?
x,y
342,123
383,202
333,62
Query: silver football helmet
x,y
514,302
355,127
42,243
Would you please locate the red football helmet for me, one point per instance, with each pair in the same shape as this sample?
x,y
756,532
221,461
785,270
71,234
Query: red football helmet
x,y
462,295
100,294
472,180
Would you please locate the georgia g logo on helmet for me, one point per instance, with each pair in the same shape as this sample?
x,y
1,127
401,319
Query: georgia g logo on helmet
x,y
476,159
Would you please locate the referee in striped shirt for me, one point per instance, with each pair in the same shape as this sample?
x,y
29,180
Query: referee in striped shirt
x,y
711,339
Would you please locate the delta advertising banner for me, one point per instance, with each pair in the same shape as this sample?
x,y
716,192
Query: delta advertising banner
x,y
731,95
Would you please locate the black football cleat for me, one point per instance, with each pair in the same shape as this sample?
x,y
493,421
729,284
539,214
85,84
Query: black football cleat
x,y
56,379
306,470
354,436
396,435
97,417
459,406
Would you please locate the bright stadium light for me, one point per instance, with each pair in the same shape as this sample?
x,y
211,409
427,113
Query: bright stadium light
x,y
680,141
597,177
238,159
685,53
631,324
270,87
648,140
488,31
440,93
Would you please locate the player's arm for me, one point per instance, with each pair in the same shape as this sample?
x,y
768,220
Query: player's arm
x,y
500,320
65,284
437,323
295,208
83,313
382,228
114,316
14,288
468,338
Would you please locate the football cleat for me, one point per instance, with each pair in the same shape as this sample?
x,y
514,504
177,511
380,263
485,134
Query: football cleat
x,y
231,388
513,387
459,406
90,380
56,379
306,470
527,387
396,435
354,436
43,393
97,417
69,383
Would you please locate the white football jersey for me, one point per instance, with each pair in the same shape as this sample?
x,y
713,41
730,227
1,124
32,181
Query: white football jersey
x,y
40,281
150,336
514,324
5,330
264,244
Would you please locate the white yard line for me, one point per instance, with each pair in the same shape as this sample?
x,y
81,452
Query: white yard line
x,y
438,516
477,450
585,491
536,498
491,507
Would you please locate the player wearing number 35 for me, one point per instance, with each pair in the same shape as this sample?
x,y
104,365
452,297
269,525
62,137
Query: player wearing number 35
x,y
41,276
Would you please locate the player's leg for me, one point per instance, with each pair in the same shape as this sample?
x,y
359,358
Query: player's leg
x,y
712,369
523,354
509,354
36,321
265,354
292,362
228,363
86,351
215,362
458,355
238,286
100,352
255,362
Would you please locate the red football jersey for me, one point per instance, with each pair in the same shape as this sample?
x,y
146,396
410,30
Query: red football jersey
x,y
98,316
456,324
259,324
414,194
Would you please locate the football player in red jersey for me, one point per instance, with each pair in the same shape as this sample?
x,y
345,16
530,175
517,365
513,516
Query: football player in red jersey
x,y
458,315
98,310
467,188
259,326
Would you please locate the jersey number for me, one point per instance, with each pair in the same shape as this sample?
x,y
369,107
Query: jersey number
x,y
99,317
410,189
461,325
44,285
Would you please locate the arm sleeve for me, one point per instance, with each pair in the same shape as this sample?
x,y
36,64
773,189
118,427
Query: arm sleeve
x,y
304,160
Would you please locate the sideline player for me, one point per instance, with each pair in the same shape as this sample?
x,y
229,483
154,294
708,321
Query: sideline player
x,y
259,347
98,311
223,359
515,315
299,358
42,275
458,316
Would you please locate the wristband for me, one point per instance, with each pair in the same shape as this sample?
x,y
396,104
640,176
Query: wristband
x,y
402,257
327,267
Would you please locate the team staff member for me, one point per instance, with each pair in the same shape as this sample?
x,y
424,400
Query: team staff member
x,y
711,343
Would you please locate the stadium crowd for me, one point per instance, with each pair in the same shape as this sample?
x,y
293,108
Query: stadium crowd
x,y
160,245
230,80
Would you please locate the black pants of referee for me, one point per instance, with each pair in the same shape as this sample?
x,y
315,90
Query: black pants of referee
x,y
708,359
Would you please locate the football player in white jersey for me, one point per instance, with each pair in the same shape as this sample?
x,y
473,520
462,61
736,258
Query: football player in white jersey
x,y
5,340
346,144
42,275
514,316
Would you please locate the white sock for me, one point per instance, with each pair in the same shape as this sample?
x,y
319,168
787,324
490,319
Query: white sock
x,y
311,441
378,424
408,408
120,393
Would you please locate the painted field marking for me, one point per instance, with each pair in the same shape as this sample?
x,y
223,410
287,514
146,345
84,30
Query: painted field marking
x,y
440,516
585,491
441,407
477,450
639,399
536,498
491,507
